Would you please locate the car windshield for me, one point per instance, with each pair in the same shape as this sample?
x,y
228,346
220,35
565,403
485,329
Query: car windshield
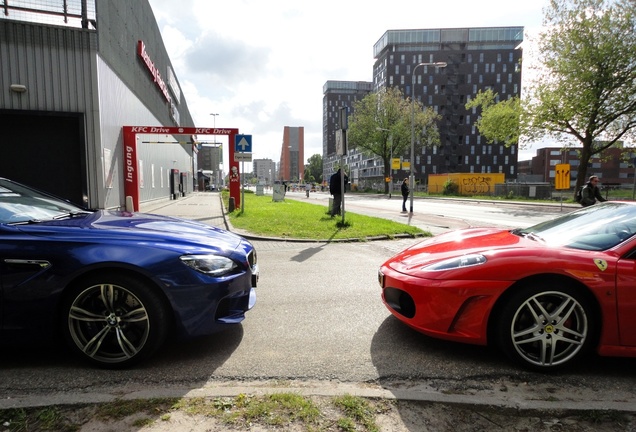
x,y
597,227
20,204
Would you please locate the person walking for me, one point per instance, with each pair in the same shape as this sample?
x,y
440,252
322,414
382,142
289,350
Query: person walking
x,y
405,193
590,193
335,189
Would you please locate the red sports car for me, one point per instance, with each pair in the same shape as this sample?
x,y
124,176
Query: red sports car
x,y
545,295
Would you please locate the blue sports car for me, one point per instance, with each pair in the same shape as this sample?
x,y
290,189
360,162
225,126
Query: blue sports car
x,y
115,284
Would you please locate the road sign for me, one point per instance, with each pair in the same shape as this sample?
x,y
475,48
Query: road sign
x,y
243,143
242,157
341,139
562,176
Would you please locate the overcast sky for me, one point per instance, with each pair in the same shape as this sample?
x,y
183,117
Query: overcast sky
x,y
261,65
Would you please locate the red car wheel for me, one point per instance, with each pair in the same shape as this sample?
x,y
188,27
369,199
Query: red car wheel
x,y
546,329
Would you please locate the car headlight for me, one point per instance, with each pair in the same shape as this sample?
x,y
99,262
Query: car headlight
x,y
457,262
214,265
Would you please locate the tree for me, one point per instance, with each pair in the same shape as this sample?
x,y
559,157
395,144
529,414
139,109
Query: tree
x,y
586,87
499,121
313,171
381,122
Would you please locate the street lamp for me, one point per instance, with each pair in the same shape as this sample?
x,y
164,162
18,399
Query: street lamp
x,y
390,159
412,176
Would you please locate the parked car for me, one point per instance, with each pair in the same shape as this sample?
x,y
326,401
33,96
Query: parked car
x,y
115,284
545,295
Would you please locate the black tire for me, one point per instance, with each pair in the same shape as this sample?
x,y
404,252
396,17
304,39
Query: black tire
x,y
114,321
545,329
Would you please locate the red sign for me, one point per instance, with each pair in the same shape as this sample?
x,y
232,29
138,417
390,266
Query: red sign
x,y
131,175
141,51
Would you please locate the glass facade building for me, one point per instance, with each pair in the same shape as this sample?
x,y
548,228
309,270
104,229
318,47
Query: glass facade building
x,y
477,59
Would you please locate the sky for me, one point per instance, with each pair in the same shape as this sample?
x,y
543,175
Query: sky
x,y
261,65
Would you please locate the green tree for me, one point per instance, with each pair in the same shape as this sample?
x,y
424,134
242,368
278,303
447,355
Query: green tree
x,y
381,121
499,121
313,170
586,87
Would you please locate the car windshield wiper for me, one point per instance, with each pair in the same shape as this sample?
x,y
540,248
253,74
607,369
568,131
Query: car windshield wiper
x,y
71,214
528,234
534,236
26,222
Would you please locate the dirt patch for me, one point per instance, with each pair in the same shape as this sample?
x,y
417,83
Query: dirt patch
x,y
386,415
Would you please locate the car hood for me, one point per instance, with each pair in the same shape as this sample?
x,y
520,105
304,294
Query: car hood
x,y
126,226
457,243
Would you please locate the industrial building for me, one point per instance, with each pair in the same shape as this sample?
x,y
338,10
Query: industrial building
x,y
73,75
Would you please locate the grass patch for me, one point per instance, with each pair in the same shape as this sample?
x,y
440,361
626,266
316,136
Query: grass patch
x,y
37,419
299,220
279,411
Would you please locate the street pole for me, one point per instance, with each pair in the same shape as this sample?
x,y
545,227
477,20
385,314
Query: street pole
x,y
412,175
342,188
391,166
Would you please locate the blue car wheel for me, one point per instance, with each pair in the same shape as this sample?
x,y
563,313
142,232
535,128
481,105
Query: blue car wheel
x,y
114,321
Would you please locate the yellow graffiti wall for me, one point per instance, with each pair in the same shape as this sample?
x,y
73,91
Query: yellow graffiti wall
x,y
469,184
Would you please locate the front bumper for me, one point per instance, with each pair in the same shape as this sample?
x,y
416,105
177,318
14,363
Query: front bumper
x,y
456,310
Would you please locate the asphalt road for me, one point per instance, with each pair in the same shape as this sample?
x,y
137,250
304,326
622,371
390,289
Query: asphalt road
x,y
319,324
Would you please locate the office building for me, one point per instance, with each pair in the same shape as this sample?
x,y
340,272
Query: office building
x,y
209,160
265,171
292,154
614,166
477,59
337,95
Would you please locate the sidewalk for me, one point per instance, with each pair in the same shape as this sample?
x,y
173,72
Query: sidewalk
x,y
202,207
